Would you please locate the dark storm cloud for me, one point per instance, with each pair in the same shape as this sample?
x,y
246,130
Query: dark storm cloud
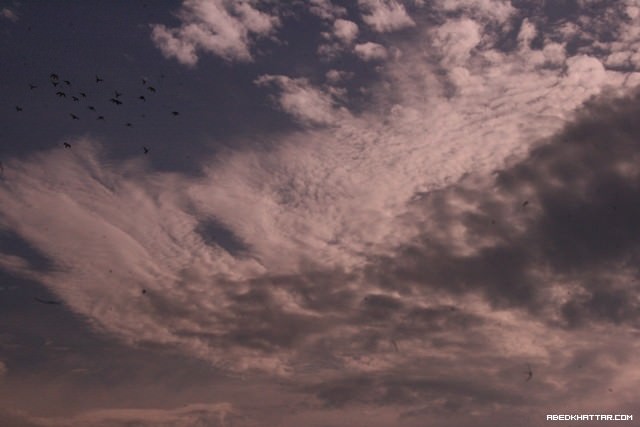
x,y
567,214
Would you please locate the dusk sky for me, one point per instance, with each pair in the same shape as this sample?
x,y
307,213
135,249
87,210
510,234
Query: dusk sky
x,y
319,213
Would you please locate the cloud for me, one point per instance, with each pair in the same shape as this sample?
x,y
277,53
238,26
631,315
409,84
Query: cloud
x,y
300,99
499,11
326,9
342,35
224,28
336,76
370,51
370,259
345,31
9,14
385,15
217,414
455,39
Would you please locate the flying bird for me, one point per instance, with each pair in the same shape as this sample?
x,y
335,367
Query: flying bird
x,y
98,79
118,94
82,94
74,117
525,203
100,118
53,76
67,145
55,84
151,88
115,101
144,81
75,98
128,124
46,301
91,107
67,82
529,373
146,150
175,113
18,108
142,98
144,291
61,94
32,86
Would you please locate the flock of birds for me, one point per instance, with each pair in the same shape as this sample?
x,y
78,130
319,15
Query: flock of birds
x,y
64,89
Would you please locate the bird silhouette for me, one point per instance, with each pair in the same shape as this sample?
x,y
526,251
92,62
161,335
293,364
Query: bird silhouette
x,y
115,101
55,84
146,150
128,124
98,79
151,88
175,113
142,98
82,94
53,76
46,301
32,86
118,94
91,107
100,118
74,117
525,203
67,82
67,145
529,373
144,81
61,94
75,98
18,108
144,291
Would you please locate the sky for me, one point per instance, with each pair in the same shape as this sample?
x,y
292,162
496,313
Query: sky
x,y
318,213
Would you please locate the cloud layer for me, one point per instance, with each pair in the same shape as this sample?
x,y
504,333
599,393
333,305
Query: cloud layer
x,y
224,28
411,257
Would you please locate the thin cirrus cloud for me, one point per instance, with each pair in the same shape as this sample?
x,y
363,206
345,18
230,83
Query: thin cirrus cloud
x,y
224,28
388,268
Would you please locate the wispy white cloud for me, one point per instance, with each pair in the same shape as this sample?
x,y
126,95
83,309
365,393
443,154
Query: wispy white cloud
x,y
385,15
9,14
336,76
326,9
224,28
493,10
303,101
370,51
